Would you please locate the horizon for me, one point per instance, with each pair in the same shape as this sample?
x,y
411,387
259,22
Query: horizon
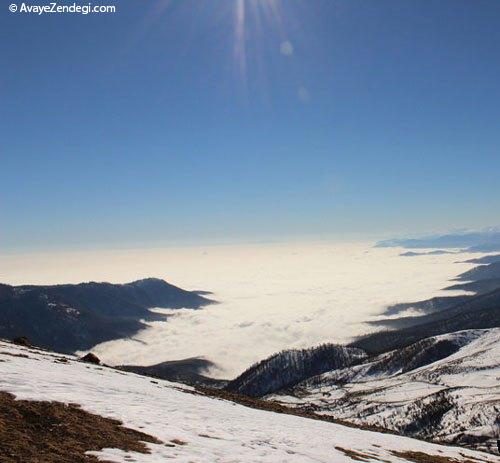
x,y
269,296
370,240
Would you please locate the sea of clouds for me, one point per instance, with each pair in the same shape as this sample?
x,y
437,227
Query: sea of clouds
x,y
271,296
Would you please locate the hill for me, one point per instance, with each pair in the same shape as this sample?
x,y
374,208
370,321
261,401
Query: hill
x,y
288,367
67,318
443,388
482,280
175,422
477,312
188,371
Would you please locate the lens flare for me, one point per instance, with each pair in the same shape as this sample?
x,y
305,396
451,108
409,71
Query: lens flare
x,y
258,14
239,31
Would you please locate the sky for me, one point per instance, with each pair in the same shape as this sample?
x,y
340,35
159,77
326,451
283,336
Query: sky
x,y
226,120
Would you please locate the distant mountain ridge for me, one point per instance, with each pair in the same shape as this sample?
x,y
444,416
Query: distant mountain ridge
x,y
482,272
481,280
478,312
437,252
72,317
475,241
491,259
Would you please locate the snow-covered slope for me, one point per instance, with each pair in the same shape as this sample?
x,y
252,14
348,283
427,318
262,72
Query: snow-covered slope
x,y
211,430
445,388
288,367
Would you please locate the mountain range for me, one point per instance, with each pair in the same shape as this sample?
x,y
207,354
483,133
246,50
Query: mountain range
x,y
487,240
68,317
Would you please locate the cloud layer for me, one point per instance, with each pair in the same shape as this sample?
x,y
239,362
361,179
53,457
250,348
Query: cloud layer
x,y
271,297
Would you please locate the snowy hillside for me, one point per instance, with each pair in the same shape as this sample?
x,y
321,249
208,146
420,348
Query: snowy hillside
x,y
193,427
288,367
445,388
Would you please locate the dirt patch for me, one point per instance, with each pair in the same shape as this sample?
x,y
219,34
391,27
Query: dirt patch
x,y
175,442
53,432
356,456
207,436
420,457
178,442
24,356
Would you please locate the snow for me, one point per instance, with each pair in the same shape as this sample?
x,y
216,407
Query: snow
x,y
411,390
213,430
469,378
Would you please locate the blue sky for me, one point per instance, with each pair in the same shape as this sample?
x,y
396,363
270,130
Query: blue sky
x,y
169,121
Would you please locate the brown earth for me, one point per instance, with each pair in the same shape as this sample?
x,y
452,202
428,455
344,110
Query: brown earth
x,y
410,456
358,456
420,457
53,432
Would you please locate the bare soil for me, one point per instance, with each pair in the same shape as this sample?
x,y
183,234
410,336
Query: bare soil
x,y
53,432
358,456
420,457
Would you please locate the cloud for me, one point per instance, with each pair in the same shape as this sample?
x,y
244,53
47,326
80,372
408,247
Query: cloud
x,y
273,296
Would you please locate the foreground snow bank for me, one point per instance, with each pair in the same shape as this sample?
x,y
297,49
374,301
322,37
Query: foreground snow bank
x,y
195,428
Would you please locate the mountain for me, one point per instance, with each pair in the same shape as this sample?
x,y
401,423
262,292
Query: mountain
x,y
437,252
443,388
83,405
485,259
435,304
481,280
479,287
481,272
70,317
477,312
485,247
487,240
187,371
288,367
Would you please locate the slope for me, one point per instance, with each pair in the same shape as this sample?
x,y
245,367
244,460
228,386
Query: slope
x,y
193,427
443,388
67,318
